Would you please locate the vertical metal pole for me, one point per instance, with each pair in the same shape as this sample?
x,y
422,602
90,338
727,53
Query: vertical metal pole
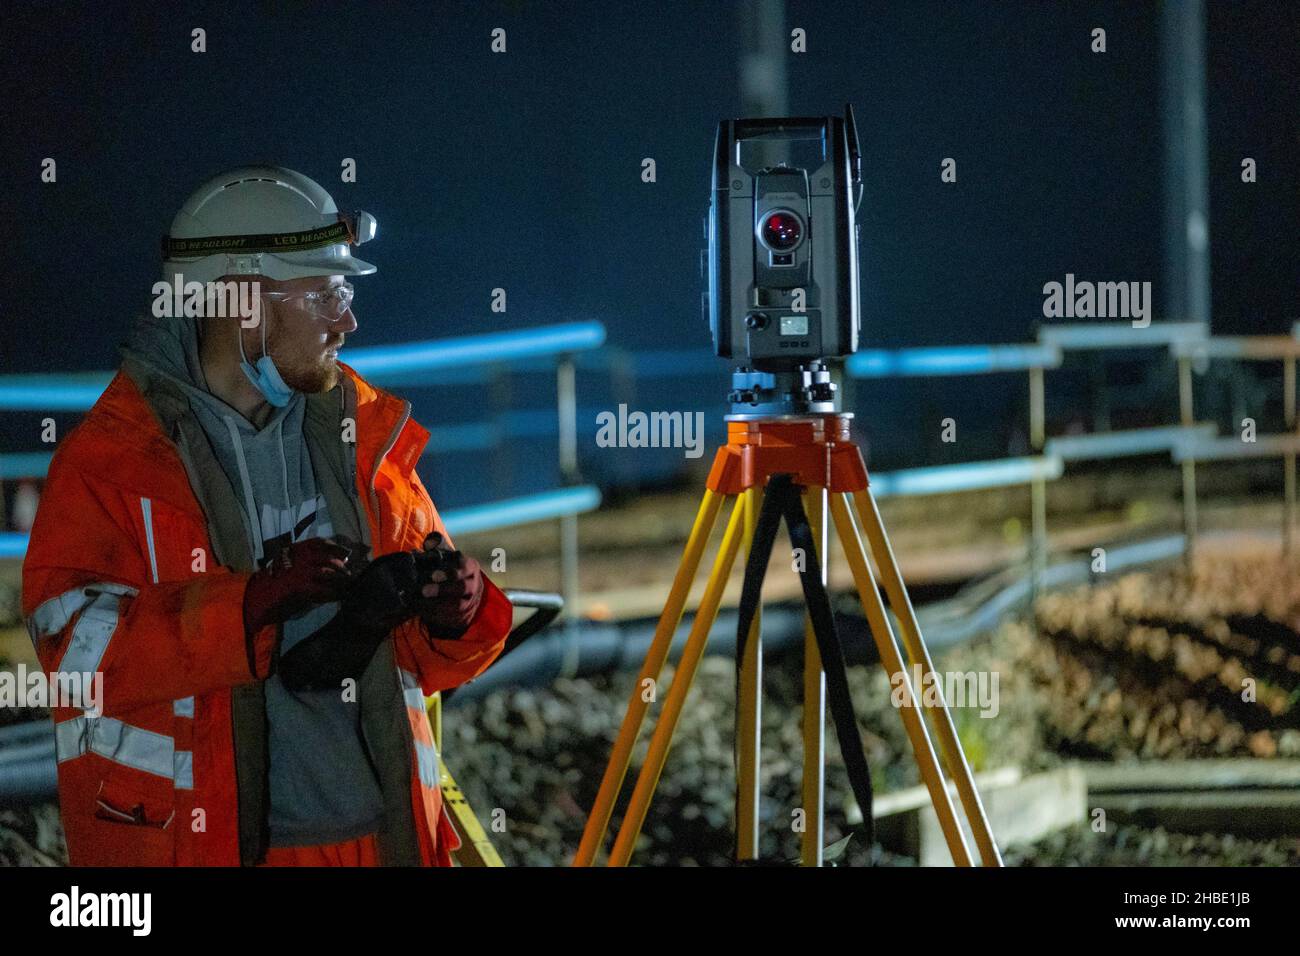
x,y
567,406
1186,418
764,89
1288,406
1186,294
1037,412
622,386
812,840
1187,199
1038,488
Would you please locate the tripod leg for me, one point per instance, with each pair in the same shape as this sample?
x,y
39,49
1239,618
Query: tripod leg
x,y
749,706
662,737
881,633
593,833
918,656
812,840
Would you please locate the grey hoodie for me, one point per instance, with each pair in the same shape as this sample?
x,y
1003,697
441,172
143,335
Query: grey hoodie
x,y
322,787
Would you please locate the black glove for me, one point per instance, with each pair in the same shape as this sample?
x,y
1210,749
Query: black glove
x,y
377,599
449,603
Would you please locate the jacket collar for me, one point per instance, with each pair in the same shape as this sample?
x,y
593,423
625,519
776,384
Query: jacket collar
x,y
379,416
152,408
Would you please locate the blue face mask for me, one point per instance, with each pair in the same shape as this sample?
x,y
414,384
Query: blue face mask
x,y
265,377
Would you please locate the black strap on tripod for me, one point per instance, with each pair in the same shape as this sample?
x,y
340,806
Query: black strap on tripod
x,y
782,498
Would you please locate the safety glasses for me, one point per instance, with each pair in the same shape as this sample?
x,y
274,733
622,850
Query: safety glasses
x,y
328,303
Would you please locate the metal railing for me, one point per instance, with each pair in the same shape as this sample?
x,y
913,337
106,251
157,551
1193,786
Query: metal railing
x,y
1189,343
565,348
981,360
1192,353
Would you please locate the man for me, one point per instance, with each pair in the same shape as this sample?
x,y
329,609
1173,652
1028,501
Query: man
x,y
211,522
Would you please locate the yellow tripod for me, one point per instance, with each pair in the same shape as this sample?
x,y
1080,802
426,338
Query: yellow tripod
x,y
819,454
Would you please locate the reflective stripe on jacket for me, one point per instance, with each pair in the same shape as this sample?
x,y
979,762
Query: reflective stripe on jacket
x,y
130,574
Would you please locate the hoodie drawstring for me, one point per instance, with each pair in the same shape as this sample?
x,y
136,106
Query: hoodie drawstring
x,y
284,480
248,485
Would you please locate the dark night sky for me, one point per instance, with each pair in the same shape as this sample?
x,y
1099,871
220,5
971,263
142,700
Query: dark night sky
x,y
522,170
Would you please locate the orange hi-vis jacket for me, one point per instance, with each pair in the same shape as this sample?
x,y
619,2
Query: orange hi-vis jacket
x,y
134,570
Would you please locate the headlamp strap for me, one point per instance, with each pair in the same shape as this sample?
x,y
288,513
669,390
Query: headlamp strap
x,y
341,231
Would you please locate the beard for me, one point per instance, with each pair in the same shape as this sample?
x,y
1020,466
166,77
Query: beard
x,y
309,375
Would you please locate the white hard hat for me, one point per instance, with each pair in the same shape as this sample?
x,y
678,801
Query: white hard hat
x,y
264,220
